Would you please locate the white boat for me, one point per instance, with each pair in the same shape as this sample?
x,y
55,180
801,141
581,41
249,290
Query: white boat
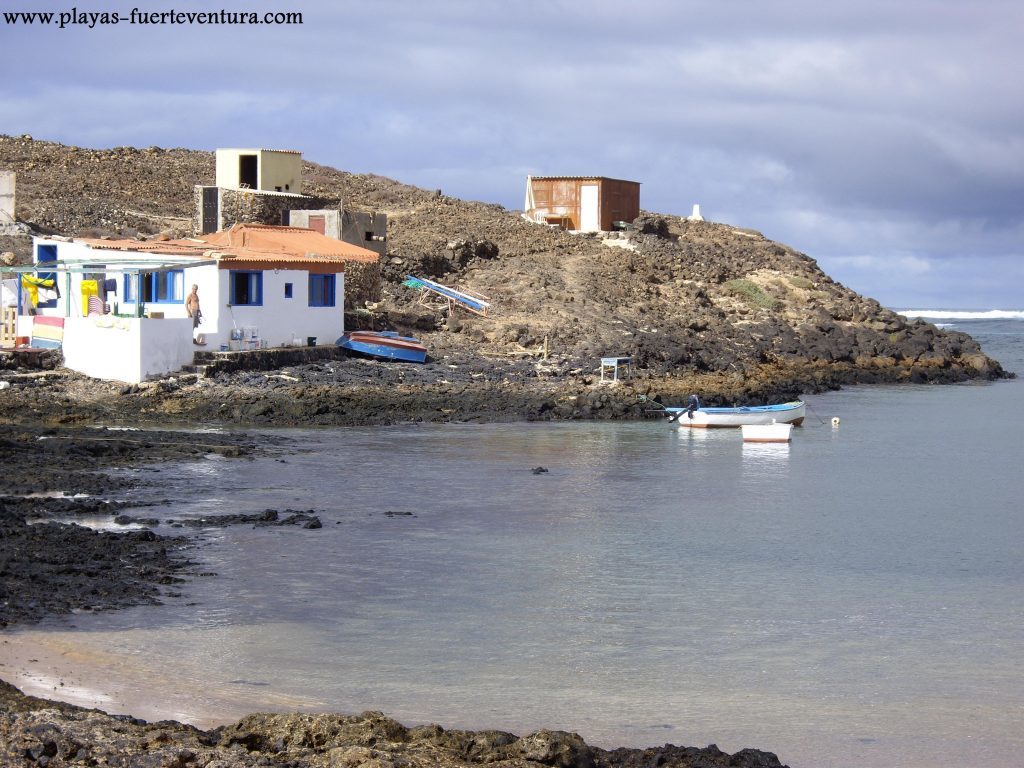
x,y
701,416
766,433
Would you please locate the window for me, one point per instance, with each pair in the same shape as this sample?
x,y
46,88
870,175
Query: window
x,y
287,290
157,287
44,255
245,288
321,290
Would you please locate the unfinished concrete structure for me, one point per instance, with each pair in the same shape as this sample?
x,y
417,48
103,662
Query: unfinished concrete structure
x,y
266,170
7,200
263,186
253,186
581,203
362,228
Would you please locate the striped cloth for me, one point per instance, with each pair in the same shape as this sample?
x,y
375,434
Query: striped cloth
x,y
47,332
96,306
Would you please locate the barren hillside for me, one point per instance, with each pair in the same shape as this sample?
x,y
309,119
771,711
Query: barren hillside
x,y
680,297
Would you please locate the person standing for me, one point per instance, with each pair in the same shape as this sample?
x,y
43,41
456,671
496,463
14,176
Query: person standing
x,y
192,307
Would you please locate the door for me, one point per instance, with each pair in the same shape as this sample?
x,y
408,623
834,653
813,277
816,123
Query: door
x,y
318,224
590,220
248,172
211,212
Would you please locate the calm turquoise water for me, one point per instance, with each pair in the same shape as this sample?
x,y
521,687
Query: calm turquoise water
x,y
854,598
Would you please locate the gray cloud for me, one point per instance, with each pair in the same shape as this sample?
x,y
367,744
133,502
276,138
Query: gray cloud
x,y
880,138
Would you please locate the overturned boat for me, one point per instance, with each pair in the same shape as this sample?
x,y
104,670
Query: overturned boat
x,y
385,345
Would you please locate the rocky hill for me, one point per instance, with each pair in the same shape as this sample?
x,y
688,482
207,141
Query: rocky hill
x,y
682,298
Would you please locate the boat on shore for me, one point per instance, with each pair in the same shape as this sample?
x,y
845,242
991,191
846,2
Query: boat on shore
x,y
386,345
697,415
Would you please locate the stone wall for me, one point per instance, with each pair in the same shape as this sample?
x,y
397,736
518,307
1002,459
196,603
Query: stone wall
x,y
362,284
248,206
267,359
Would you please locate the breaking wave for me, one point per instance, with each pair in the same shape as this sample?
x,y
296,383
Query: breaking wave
x,y
957,314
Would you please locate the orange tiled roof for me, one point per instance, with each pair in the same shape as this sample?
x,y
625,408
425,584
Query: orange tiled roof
x,y
256,243
162,247
270,243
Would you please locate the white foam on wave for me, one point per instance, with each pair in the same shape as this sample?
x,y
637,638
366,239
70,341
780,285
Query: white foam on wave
x,y
957,314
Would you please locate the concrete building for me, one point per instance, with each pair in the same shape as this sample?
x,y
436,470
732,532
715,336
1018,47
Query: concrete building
x,y
263,186
253,186
265,170
367,230
581,203
122,302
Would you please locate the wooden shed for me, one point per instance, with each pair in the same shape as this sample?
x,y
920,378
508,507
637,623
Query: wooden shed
x,y
581,203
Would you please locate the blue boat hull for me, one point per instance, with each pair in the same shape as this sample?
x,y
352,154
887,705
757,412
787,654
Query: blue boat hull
x,y
384,345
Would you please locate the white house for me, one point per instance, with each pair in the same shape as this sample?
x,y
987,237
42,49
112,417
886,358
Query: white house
x,y
123,301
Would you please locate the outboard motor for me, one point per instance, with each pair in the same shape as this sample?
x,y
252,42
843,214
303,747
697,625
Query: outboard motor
x,y
692,405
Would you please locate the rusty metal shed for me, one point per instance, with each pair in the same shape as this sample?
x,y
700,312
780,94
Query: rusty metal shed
x,y
581,203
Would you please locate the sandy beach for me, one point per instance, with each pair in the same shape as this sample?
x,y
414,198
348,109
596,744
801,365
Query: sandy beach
x,y
76,669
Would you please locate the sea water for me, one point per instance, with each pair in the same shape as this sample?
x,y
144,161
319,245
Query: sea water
x,y
853,598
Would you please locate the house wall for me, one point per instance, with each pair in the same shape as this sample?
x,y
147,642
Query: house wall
x,y
332,220
276,170
367,230
280,171
619,201
7,200
129,349
280,320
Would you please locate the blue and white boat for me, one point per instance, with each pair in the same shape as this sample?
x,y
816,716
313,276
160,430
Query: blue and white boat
x,y
700,416
387,345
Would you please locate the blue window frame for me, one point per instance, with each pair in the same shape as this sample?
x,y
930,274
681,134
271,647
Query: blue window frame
x,y
45,254
321,290
167,287
287,290
245,288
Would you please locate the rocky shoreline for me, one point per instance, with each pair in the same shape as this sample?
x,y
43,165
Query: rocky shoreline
x,y
44,733
50,566
285,388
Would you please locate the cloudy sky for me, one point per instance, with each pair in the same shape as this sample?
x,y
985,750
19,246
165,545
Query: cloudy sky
x,y
884,139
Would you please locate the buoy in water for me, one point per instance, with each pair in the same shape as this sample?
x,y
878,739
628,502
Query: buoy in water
x,y
835,421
